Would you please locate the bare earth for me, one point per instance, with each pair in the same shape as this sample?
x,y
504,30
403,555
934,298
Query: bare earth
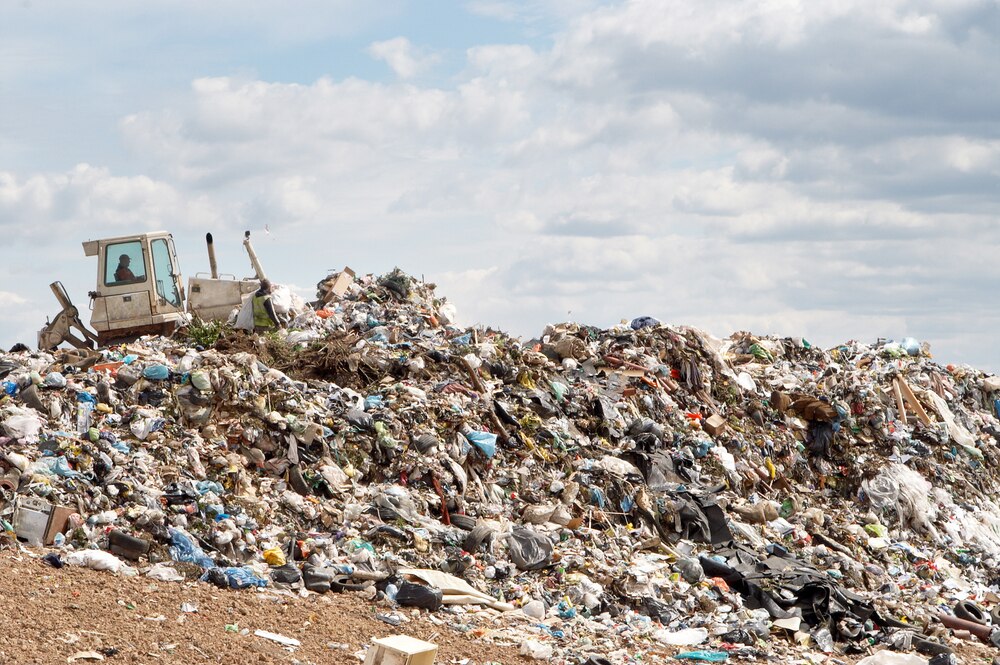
x,y
51,615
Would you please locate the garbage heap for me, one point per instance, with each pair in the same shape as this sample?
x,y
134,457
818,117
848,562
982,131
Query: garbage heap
x,y
601,496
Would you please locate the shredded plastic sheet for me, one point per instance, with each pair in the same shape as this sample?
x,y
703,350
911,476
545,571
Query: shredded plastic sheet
x,y
900,489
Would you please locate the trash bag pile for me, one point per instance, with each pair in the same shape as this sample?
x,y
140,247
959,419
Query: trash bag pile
x,y
616,495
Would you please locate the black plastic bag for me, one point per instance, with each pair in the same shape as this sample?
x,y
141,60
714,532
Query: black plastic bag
x,y
419,595
287,574
363,421
529,550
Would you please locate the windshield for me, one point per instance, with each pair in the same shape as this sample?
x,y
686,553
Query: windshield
x,y
124,264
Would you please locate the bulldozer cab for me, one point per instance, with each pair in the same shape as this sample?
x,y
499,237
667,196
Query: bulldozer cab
x,y
139,289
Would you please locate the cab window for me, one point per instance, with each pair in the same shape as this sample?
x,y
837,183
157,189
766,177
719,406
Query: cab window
x,y
163,271
124,264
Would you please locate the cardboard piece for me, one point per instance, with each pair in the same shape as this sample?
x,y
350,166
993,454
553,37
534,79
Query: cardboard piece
x,y
456,590
339,285
401,650
791,623
714,424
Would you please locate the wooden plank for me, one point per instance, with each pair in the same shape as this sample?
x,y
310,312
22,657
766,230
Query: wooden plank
x,y
900,406
913,402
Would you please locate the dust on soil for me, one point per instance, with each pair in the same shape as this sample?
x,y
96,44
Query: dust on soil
x,y
53,614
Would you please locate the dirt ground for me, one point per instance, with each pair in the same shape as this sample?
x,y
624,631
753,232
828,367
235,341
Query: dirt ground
x,y
52,615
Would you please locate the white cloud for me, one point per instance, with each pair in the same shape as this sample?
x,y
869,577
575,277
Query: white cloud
x,y
402,57
8,298
822,169
40,208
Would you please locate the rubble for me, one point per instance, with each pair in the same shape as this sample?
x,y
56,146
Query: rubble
x,y
633,494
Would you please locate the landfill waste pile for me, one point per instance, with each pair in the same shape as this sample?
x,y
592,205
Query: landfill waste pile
x,y
637,494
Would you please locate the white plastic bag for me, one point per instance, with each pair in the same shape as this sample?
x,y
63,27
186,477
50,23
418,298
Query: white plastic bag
x,y
98,560
536,650
892,658
23,424
244,320
164,573
681,638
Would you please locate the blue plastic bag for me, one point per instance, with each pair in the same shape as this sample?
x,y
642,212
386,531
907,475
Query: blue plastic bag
x,y
156,372
709,656
55,380
237,578
206,486
60,467
186,550
911,346
644,322
484,441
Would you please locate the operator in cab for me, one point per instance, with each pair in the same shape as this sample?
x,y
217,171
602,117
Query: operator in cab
x,y
123,273
264,318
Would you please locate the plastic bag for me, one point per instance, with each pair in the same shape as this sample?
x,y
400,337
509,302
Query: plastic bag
x,y
911,346
643,322
156,372
274,557
53,466
183,548
892,658
681,638
447,313
287,574
97,560
141,428
363,421
164,573
201,381
529,550
55,380
244,320
536,650
286,303
484,441
233,578
23,424
709,656
409,594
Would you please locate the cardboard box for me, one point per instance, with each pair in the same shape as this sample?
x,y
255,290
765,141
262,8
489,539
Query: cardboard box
x,y
401,650
714,424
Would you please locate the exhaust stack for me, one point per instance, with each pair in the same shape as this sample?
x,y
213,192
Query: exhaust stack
x,y
211,256
253,257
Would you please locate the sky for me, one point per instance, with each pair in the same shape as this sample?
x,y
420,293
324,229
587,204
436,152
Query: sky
x,y
827,170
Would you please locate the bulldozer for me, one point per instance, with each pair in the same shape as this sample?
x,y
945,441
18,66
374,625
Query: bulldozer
x,y
140,292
